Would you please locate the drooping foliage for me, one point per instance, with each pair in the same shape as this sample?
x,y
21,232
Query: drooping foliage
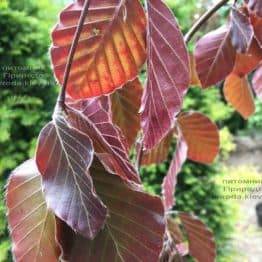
x,y
86,194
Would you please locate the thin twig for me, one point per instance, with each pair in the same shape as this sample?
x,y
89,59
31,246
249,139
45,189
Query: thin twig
x,y
203,19
62,96
140,153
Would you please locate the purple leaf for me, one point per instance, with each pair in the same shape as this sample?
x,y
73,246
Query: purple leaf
x,y
169,184
255,6
241,31
31,223
134,230
257,82
89,117
215,56
168,74
64,156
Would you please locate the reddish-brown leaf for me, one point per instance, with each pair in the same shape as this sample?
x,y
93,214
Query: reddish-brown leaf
x,y
194,79
201,240
89,117
111,48
169,183
238,93
125,109
168,74
215,56
159,153
241,31
257,25
257,82
201,135
31,223
134,230
255,6
64,156
245,63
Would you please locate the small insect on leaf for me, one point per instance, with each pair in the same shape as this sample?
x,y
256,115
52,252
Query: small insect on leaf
x,y
110,51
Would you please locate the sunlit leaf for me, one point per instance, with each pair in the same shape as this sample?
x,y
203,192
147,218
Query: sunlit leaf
x,y
245,63
90,118
125,109
31,223
255,6
238,93
215,56
159,153
168,74
170,181
241,30
201,136
134,230
257,82
64,156
111,48
201,240
194,79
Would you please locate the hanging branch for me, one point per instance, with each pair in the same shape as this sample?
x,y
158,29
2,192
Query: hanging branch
x,y
62,96
203,19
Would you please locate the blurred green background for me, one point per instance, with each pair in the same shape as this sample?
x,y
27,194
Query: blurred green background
x,y
26,105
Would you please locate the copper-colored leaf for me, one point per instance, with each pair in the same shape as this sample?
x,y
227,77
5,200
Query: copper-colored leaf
x,y
168,74
257,82
201,240
31,223
255,6
238,93
90,118
257,25
134,230
215,56
201,136
111,48
245,63
241,30
169,183
194,79
63,158
159,153
125,109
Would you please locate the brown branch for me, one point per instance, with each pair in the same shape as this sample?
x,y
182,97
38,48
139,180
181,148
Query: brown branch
x,y
62,95
203,19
